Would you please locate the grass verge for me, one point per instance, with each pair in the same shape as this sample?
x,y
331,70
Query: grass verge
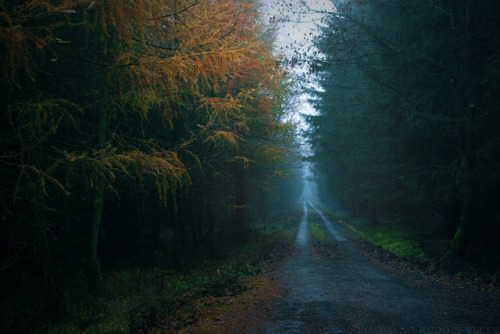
x,y
422,248
393,237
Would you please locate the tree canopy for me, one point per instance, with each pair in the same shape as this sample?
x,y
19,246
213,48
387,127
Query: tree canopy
x,y
408,124
131,127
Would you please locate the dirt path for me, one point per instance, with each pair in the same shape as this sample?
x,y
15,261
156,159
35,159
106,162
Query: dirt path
x,y
338,290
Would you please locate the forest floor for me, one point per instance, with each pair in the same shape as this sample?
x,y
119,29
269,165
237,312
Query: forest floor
x,y
349,286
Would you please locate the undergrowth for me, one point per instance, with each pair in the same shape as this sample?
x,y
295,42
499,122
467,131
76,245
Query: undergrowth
x,y
136,298
394,237
423,248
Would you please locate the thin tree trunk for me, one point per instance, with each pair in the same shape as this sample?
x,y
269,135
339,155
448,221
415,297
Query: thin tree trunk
x,y
464,229
178,254
465,139
183,229
93,268
209,222
466,221
212,244
155,229
240,227
466,183
194,222
52,295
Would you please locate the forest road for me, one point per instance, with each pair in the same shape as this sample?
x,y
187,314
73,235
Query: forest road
x,y
342,291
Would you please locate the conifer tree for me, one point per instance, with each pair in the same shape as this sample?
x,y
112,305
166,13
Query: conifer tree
x,y
404,110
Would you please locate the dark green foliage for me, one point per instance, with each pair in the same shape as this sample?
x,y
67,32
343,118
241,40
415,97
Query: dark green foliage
x,y
409,116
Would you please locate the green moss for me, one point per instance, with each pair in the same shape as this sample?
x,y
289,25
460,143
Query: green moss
x,y
394,237
405,249
317,231
398,242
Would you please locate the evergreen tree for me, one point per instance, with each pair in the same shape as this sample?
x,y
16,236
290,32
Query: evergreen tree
x,y
404,111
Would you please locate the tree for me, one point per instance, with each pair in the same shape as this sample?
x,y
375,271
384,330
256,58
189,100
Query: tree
x,y
147,102
403,125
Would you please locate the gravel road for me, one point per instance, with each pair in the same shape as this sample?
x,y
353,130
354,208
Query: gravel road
x,y
342,291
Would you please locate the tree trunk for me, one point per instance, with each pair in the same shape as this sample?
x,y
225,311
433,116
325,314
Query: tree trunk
x,y
462,235
93,267
53,298
209,222
194,222
240,225
183,228
466,221
212,243
465,141
178,254
52,295
155,229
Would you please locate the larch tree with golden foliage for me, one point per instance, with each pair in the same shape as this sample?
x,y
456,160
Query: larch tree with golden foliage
x,y
98,95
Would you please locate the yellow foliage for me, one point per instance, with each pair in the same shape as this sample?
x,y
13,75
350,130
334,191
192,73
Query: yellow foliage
x,y
155,55
245,160
22,32
150,163
220,138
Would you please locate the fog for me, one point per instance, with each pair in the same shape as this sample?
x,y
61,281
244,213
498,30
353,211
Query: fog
x,y
310,187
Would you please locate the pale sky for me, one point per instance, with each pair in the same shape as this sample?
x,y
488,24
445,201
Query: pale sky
x,y
296,27
296,24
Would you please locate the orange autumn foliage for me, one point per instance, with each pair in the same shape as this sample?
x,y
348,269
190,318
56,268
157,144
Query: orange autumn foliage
x,y
152,56
164,103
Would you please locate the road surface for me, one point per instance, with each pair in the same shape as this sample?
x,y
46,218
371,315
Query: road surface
x,y
342,291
